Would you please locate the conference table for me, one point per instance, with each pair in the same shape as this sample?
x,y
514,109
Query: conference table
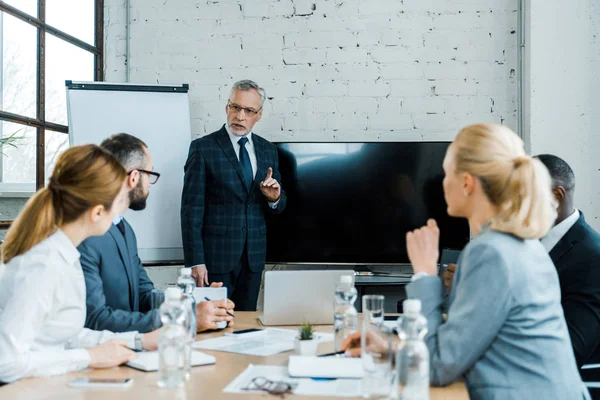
x,y
206,382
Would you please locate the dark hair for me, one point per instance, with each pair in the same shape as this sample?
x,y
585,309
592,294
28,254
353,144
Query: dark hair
x,y
560,172
126,148
83,177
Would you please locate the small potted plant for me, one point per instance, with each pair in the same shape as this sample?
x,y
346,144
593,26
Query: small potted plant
x,y
306,344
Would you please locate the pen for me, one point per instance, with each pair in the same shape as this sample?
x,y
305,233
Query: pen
x,y
332,354
228,313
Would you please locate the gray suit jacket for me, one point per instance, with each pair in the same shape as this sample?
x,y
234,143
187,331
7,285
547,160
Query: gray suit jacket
x,y
117,286
505,333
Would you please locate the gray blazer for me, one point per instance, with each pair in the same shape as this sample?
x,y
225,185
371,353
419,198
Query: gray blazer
x,y
505,333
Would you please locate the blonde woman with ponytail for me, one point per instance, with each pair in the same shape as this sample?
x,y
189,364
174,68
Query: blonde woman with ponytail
x,y
505,333
42,290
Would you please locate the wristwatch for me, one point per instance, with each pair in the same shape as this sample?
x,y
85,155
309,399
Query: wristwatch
x,y
139,345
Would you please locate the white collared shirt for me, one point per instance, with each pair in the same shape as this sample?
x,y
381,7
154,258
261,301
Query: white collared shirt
x,y
42,313
558,231
249,147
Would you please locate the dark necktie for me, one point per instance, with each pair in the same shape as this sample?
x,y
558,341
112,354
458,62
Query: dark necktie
x,y
121,226
245,162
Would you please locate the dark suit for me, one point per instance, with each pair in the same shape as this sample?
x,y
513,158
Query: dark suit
x,y
223,222
118,288
577,260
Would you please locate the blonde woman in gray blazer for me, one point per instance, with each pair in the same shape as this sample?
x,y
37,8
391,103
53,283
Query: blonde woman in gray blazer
x,y
505,332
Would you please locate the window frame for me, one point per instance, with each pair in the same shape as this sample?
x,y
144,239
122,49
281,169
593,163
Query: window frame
x,y
39,122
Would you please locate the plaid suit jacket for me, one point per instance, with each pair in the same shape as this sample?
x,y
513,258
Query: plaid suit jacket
x,y
219,215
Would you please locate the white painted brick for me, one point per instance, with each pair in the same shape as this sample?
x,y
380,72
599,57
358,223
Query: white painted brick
x,y
313,121
293,73
390,122
326,89
368,89
261,57
332,8
347,122
324,104
347,55
368,38
423,105
256,8
351,72
282,8
411,88
262,41
284,90
304,56
379,7
457,86
269,124
392,54
215,10
321,39
411,71
357,105
304,7
436,122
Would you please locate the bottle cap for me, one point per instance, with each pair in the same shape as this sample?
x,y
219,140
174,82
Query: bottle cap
x,y
173,293
346,279
411,306
185,272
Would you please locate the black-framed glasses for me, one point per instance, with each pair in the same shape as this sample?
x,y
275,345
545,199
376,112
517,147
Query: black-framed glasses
x,y
237,108
272,387
152,176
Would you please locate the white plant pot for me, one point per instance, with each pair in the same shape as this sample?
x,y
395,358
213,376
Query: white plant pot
x,y
306,347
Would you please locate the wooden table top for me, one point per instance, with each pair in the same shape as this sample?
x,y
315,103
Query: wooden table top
x,y
206,382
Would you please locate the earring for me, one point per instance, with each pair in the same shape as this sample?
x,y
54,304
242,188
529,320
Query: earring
x,y
466,194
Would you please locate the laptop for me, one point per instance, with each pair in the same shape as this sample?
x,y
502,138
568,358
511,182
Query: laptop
x,y
295,297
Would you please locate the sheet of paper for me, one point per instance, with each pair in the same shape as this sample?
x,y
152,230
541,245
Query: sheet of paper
x,y
267,342
303,386
148,360
325,367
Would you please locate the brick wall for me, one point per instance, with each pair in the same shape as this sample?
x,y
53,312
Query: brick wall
x,y
333,69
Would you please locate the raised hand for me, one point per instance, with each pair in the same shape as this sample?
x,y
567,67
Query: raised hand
x,y
422,246
270,188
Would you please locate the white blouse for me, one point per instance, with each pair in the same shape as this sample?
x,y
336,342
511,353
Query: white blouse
x,y
42,313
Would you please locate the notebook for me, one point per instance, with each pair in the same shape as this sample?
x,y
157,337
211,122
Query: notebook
x,y
148,360
325,367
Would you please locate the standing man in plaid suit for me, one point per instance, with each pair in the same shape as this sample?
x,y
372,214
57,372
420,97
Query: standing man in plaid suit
x,y
231,183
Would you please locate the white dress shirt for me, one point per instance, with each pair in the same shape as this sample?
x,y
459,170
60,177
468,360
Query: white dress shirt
x,y
558,231
249,147
42,313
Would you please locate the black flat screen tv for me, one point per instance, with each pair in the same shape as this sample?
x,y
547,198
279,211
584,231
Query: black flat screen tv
x,y
352,203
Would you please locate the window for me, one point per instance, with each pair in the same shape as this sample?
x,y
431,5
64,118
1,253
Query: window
x,y
42,44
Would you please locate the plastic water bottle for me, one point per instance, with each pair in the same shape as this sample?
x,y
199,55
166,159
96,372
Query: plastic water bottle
x,y
412,356
345,319
172,341
187,284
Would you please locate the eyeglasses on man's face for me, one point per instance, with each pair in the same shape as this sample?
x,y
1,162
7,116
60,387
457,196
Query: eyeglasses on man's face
x,y
152,176
237,109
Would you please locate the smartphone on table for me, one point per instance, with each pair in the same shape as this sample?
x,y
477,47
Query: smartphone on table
x,y
85,382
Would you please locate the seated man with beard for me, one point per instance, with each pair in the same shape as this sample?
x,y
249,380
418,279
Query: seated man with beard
x,y
118,290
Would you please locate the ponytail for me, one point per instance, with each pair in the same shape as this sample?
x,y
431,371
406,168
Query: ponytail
x,y
36,222
526,207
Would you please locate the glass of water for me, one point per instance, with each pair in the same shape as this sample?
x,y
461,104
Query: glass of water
x,y
376,350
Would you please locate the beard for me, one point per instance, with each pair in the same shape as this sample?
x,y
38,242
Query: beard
x,y
137,198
